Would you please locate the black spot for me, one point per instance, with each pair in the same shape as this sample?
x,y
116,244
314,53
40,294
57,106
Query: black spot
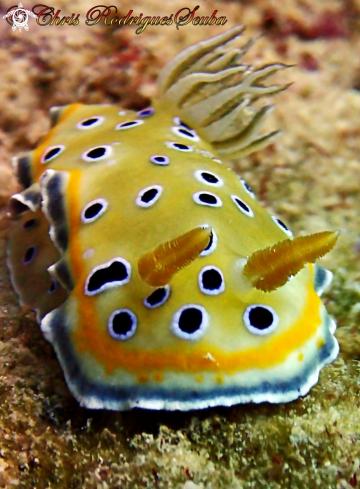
x,y
182,147
260,318
29,224
51,153
211,279
90,122
96,153
282,224
122,323
126,125
208,177
187,133
242,205
156,297
208,199
160,160
149,195
29,254
93,210
146,112
190,320
116,272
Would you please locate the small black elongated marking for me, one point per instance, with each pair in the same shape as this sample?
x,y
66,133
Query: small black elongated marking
x,y
51,153
161,160
29,224
90,122
146,112
209,178
29,255
112,274
158,297
52,287
185,133
148,196
97,153
245,209
282,226
207,198
93,210
179,146
128,124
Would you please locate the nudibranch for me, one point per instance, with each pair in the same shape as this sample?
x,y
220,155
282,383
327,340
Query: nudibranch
x,y
159,279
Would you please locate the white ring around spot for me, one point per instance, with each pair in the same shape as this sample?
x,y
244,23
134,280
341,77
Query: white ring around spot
x,y
42,159
210,291
260,332
108,285
178,131
286,231
166,296
213,243
123,125
130,333
248,213
190,336
97,123
108,152
164,163
172,145
140,203
104,204
196,198
201,179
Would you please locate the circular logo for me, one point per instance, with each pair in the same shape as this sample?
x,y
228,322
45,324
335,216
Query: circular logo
x,y
20,18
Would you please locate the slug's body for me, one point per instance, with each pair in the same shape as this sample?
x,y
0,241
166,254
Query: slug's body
x,y
163,283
